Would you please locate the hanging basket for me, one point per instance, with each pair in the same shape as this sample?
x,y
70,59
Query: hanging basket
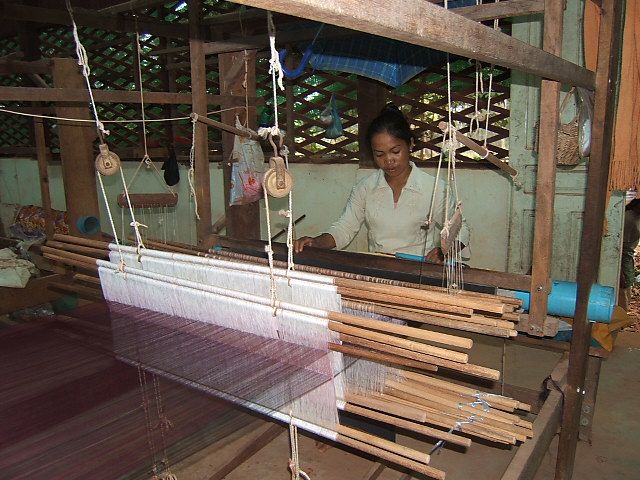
x,y
567,152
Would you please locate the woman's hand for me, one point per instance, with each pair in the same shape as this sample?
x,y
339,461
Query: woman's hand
x,y
435,256
300,243
325,240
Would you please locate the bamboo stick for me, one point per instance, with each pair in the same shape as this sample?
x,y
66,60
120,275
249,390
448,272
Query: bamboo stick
x,y
395,300
70,262
70,247
384,405
429,319
409,345
80,277
383,443
471,392
80,290
470,369
427,335
446,420
81,241
381,357
391,457
407,425
424,295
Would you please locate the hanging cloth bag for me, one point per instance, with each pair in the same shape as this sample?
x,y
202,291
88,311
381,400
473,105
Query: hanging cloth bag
x,y
247,169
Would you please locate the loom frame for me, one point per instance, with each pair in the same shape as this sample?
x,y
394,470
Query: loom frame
x,y
464,35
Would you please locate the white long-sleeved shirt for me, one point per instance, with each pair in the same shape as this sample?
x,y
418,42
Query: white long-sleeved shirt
x,y
397,227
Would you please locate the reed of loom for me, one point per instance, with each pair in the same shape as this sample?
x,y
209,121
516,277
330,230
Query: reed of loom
x,y
412,403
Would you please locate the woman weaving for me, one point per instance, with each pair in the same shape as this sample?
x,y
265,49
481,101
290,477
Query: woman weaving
x,y
395,201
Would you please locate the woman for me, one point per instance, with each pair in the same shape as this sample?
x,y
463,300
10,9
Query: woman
x,y
394,202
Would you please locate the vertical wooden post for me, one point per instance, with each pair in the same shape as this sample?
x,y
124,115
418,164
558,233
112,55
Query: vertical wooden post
x,y
41,153
76,148
243,221
199,106
546,174
609,42
371,99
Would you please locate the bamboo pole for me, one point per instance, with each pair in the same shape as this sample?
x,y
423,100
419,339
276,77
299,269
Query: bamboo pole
x,y
70,262
383,443
381,357
470,369
401,343
70,247
81,241
429,319
436,337
407,425
425,295
80,277
384,405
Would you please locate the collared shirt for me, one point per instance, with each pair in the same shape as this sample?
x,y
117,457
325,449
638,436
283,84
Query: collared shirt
x,y
397,227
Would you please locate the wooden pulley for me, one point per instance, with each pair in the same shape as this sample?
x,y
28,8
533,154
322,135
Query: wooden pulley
x,y
107,162
277,180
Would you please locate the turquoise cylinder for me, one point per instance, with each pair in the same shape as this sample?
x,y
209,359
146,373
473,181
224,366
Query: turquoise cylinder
x,y
562,301
88,225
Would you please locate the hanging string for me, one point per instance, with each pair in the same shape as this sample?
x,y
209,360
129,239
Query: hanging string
x,y
83,61
269,249
191,172
275,69
294,462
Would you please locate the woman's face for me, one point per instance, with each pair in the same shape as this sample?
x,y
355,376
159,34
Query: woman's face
x,y
391,154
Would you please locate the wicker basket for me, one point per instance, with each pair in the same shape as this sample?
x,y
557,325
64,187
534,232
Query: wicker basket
x,y
567,152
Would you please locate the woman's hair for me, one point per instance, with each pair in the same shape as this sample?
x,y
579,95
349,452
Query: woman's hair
x,y
392,121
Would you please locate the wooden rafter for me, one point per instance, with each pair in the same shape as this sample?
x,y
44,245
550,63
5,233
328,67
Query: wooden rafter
x,y
422,23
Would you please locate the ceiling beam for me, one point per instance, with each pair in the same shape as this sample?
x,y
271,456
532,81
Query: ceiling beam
x,y
95,19
428,25
131,6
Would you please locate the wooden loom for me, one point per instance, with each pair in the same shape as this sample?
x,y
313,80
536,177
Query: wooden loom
x,y
402,359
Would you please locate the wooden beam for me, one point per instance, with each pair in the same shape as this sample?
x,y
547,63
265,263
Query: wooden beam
x,y
81,95
546,175
371,99
422,23
504,9
242,221
109,22
35,293
527,459
76,149
131,6
609,42
9,66
199,106
42,154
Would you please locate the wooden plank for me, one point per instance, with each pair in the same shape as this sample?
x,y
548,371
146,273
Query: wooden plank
x,y
610,39
546,176
102,21
35,293
504,9
131,5
76,149
589,402
422,23
43,172
81,95
9,66
371,100
526,461
199,105
242,221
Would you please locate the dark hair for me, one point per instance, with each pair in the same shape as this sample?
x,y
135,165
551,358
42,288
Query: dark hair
x,y
392,121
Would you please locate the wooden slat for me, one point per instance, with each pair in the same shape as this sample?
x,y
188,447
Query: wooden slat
x,y
76,149
41,152
427,25
546,175
596,194
81,95
199,106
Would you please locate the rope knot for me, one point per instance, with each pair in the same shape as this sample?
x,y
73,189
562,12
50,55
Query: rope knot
x,y
284,213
